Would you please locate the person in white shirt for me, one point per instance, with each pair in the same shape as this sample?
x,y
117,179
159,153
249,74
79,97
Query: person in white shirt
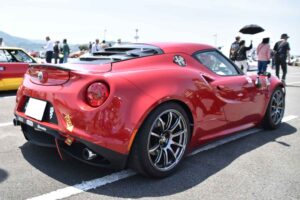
x,y
96,47
49,50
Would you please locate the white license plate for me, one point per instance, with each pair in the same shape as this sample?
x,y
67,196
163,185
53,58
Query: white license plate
x,y
35,108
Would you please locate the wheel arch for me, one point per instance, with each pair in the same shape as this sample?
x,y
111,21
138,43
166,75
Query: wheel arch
x,y
176,101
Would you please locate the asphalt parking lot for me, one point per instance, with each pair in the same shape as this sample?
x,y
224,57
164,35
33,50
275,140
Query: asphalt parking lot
x,y
262,165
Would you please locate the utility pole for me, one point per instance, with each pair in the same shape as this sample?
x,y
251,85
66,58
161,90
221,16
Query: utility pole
x,y
104,35
216,39
136,37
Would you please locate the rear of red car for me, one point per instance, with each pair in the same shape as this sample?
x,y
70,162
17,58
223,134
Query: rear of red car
x,y
49,103
82,108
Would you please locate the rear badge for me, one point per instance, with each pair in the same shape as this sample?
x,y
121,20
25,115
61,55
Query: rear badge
x,y
42,76
179,60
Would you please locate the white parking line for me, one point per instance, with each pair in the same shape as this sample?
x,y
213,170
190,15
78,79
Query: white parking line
x,y
291,83
8,97
6,124
95,183
85,186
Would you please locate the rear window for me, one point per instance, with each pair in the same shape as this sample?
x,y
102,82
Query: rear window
x,y
116,54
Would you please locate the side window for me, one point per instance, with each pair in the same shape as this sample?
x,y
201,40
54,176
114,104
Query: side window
x,y
3,57
216,63
20,56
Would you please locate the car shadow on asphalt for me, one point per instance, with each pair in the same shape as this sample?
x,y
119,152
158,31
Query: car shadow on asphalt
x,y
68,171
8,93
3,175
193,171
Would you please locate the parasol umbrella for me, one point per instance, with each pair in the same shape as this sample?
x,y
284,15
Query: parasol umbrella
x,y
251,29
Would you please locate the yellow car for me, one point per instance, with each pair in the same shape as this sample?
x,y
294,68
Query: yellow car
x,y
13,64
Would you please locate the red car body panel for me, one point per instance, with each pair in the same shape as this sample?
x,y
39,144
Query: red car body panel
x,y
12,71
217,105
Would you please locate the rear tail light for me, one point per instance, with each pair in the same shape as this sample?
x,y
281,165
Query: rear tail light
x,y
97,93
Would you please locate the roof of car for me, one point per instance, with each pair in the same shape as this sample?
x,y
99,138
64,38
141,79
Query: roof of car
x,y
11,48
188,48
137,50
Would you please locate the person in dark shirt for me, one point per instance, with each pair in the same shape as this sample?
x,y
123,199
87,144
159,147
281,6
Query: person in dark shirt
x,y
65,51
241,57
282,52
233,48
56,52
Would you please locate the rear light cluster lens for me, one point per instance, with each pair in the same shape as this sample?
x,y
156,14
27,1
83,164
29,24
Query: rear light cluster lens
x,y
97,93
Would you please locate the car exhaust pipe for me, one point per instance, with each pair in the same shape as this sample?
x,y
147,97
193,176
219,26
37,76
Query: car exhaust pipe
x,y
88,154
16,122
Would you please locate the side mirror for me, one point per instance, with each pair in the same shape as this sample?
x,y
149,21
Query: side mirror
x,y
268,74
258,82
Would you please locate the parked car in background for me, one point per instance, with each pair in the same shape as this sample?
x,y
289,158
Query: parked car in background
x,y
77,54
13,64
295,61
35,54
42,54
143,105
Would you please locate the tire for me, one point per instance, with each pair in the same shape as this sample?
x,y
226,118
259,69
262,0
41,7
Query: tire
x,y
275,110
161,142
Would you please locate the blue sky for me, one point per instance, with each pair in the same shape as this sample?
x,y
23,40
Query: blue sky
x,y
210,22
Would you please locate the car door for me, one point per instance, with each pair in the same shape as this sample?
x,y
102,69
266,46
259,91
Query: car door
x,y
13,65
242,102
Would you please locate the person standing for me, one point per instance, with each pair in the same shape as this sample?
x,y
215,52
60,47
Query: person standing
x,y
1,42
104,45
90,47
65,51
56,52
282,52
96,47
118,43
233,48
241,56
263,55
49,50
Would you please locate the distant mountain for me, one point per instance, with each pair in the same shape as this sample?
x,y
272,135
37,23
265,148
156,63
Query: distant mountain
x,y
29,45
14,41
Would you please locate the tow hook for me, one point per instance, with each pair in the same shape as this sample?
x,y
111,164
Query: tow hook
x,y
16,122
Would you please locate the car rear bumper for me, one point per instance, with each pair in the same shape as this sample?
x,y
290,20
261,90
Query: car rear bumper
x,y
42,135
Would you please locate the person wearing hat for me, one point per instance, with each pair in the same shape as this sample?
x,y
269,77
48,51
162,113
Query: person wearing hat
x,y
281,50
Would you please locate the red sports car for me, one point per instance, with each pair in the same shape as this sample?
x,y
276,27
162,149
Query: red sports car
x,y
143,105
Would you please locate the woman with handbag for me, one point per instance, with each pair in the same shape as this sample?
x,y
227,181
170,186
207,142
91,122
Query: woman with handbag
x,y
263,54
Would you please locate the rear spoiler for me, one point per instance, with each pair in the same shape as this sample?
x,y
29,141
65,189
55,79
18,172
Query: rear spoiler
x,y
76,67
49,66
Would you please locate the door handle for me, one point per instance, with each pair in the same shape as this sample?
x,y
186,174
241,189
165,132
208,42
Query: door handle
x,y
207,78
2,68
220,87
